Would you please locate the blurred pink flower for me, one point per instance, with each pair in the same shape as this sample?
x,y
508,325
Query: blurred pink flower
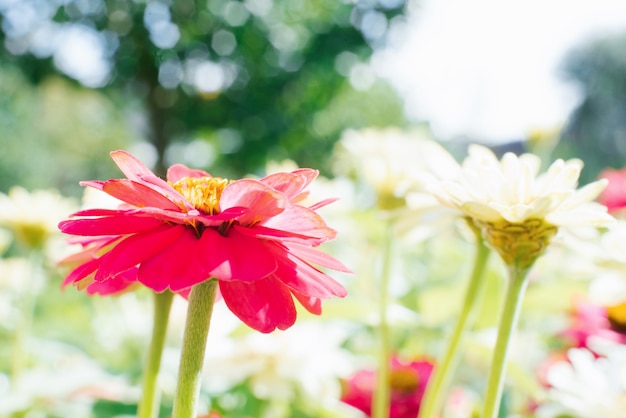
x,y
587,320
614,196
407,380
251,235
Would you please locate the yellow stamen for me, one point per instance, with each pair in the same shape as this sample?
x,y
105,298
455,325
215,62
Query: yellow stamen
x,y
202,192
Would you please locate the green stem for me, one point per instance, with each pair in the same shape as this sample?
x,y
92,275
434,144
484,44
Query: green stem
x,y
26,303
199,311
518,281
149,404
381,398
444,370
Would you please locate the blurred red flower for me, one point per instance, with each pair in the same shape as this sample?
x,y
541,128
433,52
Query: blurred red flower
x,y
254,236
407,381
614,195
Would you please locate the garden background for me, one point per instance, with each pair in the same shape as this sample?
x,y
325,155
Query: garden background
x,y
246,88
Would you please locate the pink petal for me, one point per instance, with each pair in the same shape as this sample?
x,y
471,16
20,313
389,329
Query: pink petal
x,y
306,279
235,256
135,170
291,184
224,216
178,266
82,271
138,194
311,304
100,212
137,249
91,249
303,221
180,171
314,256
273,234
114,225
116,285
263,201
132,168
263,305
92,183
323,203
192,217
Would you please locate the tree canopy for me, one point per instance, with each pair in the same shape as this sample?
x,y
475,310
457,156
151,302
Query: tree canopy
x,y
596,130
247,81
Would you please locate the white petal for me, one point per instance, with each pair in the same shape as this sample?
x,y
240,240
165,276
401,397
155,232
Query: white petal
x,y
481,211
584,194
589,214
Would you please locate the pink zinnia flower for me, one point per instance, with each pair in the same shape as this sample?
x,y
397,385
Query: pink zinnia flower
x,y
254,236
407,380
614,196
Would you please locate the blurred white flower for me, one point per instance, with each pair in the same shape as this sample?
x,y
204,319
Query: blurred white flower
x,y
586,386
33,217
16,276
396,166
307,358
392,162
605,253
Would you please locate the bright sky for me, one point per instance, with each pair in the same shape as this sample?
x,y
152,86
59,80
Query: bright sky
x,y
489,68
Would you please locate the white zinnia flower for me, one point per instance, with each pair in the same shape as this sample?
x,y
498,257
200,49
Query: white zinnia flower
x,y
511,190
586,386
518,209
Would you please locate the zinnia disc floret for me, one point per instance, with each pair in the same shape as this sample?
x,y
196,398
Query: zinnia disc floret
x,y
254,236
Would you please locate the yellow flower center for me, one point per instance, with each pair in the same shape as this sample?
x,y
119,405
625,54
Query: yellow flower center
x,y
33,235
403,380
202,192
617,317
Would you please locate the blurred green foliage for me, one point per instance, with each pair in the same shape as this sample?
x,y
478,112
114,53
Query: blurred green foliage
x,y
55,134
223,85
596,131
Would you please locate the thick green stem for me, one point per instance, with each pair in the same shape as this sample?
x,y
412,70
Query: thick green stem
x,y
201,301
149,404
381,398
518,281
444,370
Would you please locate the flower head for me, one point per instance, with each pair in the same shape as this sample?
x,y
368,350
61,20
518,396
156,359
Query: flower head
x,y
407,381
253,236
518,209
